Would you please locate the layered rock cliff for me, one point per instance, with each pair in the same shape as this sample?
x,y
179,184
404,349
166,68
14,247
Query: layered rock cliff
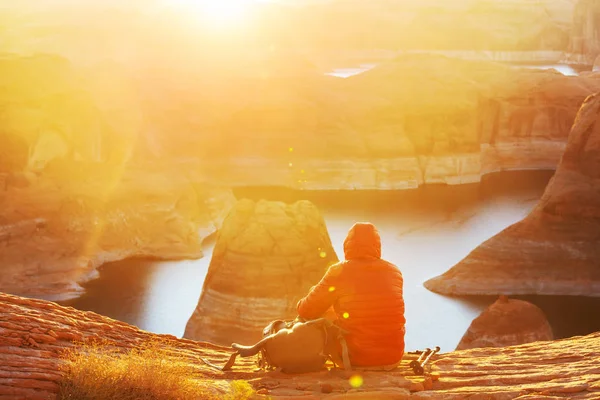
x,y
78,185
56,232
554,250
418,119
507,322
584,44
267,256
35,333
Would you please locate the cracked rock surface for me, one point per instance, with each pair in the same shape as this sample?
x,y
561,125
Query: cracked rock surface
x,y
33,333
267,256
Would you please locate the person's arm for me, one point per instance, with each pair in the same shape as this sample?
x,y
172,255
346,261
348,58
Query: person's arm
x,y
321,296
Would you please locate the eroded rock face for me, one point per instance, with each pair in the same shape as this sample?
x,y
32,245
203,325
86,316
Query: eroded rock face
x,y
554,250
507,322
56,232
267,256
415,120
34,333
584,45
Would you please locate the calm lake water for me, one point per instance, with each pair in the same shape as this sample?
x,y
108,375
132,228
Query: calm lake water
x,y
424,232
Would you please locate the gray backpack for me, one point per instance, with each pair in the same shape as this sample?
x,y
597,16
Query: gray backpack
x,y
297,347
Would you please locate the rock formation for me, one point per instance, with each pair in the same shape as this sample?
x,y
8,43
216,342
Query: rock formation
x,y
584,44
267,256
418,119
413,120
56,232
34,334
554,250
507,322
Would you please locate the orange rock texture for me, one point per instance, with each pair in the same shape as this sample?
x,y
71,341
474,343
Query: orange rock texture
x,y
507,322
554,250
33,334
56,232
267,256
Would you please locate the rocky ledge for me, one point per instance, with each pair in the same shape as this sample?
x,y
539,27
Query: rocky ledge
x,y
554,250
55,232
34,334
507,322
267,256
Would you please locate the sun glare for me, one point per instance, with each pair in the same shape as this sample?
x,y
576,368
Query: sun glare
x,y
217,13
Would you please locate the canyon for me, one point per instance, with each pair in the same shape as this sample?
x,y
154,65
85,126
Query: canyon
x,y
94,158
554,250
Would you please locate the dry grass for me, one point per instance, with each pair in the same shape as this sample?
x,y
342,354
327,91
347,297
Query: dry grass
x,y
96,372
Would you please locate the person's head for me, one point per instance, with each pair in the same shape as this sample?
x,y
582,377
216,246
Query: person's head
x,y
363,241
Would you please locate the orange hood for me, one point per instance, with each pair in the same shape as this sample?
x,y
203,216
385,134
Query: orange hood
x,y
363,241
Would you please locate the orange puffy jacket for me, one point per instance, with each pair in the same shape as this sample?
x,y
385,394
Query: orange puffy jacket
x,y
366,294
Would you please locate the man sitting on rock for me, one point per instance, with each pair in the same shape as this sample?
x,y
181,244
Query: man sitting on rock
x,y
366,294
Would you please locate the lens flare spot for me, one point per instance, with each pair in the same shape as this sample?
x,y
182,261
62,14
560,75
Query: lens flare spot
x,y
356,381
301,171
291,149
322,254
346,315
291,165
331,288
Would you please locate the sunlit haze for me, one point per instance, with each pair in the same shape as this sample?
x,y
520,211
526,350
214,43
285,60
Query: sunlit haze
x,y
403,174
225,14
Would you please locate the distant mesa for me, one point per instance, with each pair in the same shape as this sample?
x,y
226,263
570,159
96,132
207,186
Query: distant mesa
x,y
507,322
555,250
267,256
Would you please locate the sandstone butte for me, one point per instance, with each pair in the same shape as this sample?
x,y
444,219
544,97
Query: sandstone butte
x,y
267,256
34,333
554,250
507,322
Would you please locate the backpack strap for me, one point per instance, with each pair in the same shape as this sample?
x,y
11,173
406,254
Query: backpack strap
x,y
226,367
345,355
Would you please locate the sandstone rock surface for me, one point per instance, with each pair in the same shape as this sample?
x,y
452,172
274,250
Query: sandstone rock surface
x,y
34,333
555,249
584,44
415,120
267,256
55,233
507,322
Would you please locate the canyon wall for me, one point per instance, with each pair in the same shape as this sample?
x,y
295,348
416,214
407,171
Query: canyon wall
x,y
415,120
267,256
55,234
584,46
554,250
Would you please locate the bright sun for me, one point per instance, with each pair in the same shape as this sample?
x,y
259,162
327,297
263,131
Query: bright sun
x,y
218,13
